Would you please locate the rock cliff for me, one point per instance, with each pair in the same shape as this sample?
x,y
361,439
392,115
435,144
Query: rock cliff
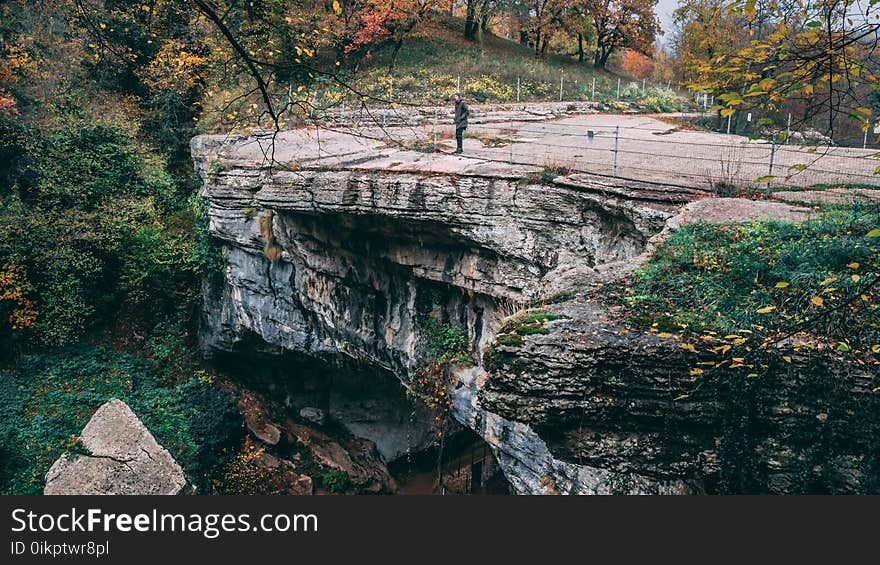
x,y
344,257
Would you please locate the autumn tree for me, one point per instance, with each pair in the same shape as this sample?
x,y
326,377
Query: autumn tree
x,y
637,64
622,24
547,17
761,54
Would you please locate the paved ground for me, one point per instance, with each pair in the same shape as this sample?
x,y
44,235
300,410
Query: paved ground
x,y
649,148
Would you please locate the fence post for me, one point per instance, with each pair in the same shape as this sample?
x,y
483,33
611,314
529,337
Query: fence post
x,y
618,88
436,112
616,140
772,158
510,138
458,88
561,82
517,89
682,111
643,87
593,90
728,123
788,130
391,89
865,139
318,139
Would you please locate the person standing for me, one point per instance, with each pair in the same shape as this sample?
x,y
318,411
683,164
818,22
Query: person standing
x,y
462,112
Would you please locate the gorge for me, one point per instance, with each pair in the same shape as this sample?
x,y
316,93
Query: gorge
x,y
341,257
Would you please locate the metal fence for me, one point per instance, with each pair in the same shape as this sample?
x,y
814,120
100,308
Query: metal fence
x,y
661,153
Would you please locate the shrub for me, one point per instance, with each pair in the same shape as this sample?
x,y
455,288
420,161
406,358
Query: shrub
x,y
336,481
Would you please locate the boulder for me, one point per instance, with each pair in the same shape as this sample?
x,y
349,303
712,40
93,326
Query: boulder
x,y
120,456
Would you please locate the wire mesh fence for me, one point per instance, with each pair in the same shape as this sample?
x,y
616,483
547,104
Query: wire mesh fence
x,y
567,137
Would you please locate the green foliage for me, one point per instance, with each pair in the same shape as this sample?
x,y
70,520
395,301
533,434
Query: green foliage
x,y
47,399
336,481
82,165
817,276
100,228
444,343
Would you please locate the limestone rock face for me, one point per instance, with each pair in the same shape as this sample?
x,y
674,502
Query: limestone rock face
x,y
122,457
371,242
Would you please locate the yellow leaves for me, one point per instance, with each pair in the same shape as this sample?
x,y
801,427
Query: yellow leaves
x,y
766,309
739,341
807,89
689,347
853,265
875,348
145,8
873,233
722,349
695,372
817,301
727,112
828,281
781,284
749,9
737,362
336,7
664,335
786,358
855,278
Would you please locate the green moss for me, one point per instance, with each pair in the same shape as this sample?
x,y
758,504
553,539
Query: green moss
x,y
510,340
526,319
531,330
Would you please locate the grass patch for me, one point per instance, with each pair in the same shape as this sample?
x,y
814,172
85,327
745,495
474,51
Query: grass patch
x,y
819,277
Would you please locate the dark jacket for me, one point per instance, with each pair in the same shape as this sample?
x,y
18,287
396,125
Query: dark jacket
x,y
462,112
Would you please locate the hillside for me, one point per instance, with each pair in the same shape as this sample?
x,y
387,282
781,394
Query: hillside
x,y
427,67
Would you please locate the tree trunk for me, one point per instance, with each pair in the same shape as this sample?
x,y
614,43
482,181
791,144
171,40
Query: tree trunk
x,y
603,52
397,45
580,48
523,37
470,25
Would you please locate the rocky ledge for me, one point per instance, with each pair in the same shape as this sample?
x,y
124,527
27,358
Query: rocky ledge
x,y
345,258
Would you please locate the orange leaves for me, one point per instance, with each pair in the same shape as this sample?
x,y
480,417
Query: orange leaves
x,y
14,288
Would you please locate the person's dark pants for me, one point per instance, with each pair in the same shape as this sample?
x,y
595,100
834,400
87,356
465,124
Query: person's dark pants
x,y
459,138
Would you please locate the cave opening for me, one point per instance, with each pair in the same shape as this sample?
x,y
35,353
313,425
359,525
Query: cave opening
x,y
341,422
